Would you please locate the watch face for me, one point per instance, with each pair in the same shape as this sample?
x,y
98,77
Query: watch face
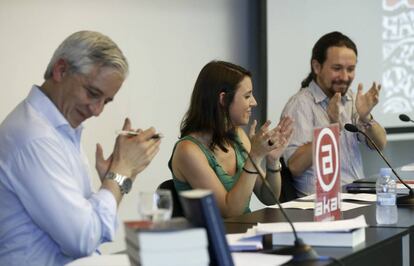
x,y
127,185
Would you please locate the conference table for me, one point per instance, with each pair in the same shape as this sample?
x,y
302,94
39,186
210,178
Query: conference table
x,y
386,245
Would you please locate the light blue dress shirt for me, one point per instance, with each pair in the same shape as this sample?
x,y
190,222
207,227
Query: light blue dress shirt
x,y
308,110
48,212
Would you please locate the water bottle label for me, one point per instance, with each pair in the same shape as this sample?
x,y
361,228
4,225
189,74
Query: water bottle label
x,y
386,201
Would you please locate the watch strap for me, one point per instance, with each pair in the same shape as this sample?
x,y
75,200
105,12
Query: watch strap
x,y
123,182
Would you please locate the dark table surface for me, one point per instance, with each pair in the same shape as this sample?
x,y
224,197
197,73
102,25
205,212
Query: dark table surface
x,y
380,239
267,215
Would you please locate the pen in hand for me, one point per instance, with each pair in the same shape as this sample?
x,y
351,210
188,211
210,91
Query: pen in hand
x,y
135,133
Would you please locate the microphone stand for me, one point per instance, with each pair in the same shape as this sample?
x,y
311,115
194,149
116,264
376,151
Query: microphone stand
x,y
300,251
402,200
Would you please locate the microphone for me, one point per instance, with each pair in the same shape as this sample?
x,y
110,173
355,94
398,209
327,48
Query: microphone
x,y
403,200
405,118
300,251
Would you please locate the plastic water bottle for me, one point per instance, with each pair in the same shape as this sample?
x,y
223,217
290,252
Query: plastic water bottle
x,y
386,197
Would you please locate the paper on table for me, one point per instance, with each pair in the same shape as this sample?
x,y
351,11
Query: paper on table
x,y
346,206
255,258
401,189
307,198
359,197
304,205
330,226
309,205
102,260
369,197
408,167
238,243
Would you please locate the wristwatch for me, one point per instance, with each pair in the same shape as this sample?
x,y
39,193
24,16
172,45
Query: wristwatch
x,y
124,182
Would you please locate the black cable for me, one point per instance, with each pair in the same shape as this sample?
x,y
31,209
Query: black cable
x,y
298,241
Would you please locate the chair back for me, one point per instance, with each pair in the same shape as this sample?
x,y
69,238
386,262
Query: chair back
x,y
177,209
288,191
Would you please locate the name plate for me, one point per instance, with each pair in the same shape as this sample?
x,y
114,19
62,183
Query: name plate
x,y
326,165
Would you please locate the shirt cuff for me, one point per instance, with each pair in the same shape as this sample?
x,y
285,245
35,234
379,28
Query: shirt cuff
x,y
105,206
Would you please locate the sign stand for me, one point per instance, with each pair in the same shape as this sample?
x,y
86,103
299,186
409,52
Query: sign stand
x,y
327,168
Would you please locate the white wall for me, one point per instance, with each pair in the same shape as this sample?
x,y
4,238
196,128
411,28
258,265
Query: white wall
x,y
291,36
293,27
166,43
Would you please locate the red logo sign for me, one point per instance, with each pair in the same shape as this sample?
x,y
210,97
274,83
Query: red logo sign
x,y
326,165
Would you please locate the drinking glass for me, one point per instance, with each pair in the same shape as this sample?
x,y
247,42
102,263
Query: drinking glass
x,y
155,206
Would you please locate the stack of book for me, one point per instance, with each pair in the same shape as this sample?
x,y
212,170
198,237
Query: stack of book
x,y
367,185
340,233
173,242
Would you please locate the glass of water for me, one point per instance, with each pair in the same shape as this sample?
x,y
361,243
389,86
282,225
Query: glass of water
x,y
155,206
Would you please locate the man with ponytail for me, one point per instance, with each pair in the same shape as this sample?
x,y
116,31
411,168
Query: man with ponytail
x,y
324,99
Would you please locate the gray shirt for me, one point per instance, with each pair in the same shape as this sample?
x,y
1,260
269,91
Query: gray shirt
x,y
308,110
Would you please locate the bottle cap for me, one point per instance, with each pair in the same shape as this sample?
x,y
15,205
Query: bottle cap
x,y
385,172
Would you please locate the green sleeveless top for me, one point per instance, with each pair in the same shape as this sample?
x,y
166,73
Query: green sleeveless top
x,y
227,180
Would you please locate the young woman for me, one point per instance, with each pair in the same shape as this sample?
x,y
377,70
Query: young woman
x,y
215,153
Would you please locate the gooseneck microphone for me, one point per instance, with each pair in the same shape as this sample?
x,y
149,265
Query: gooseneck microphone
x,y
300,251
405,118
404,200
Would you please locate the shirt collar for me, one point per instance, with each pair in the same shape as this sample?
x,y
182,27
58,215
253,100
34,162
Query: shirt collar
x,y
320,96
42,104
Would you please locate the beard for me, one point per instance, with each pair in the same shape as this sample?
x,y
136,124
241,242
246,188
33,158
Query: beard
x,y
340,86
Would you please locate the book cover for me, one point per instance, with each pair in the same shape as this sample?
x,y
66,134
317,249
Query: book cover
x,y
237,242
200,209
173,257
324,239
366,187
361,187
102,260
339,233
174,234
